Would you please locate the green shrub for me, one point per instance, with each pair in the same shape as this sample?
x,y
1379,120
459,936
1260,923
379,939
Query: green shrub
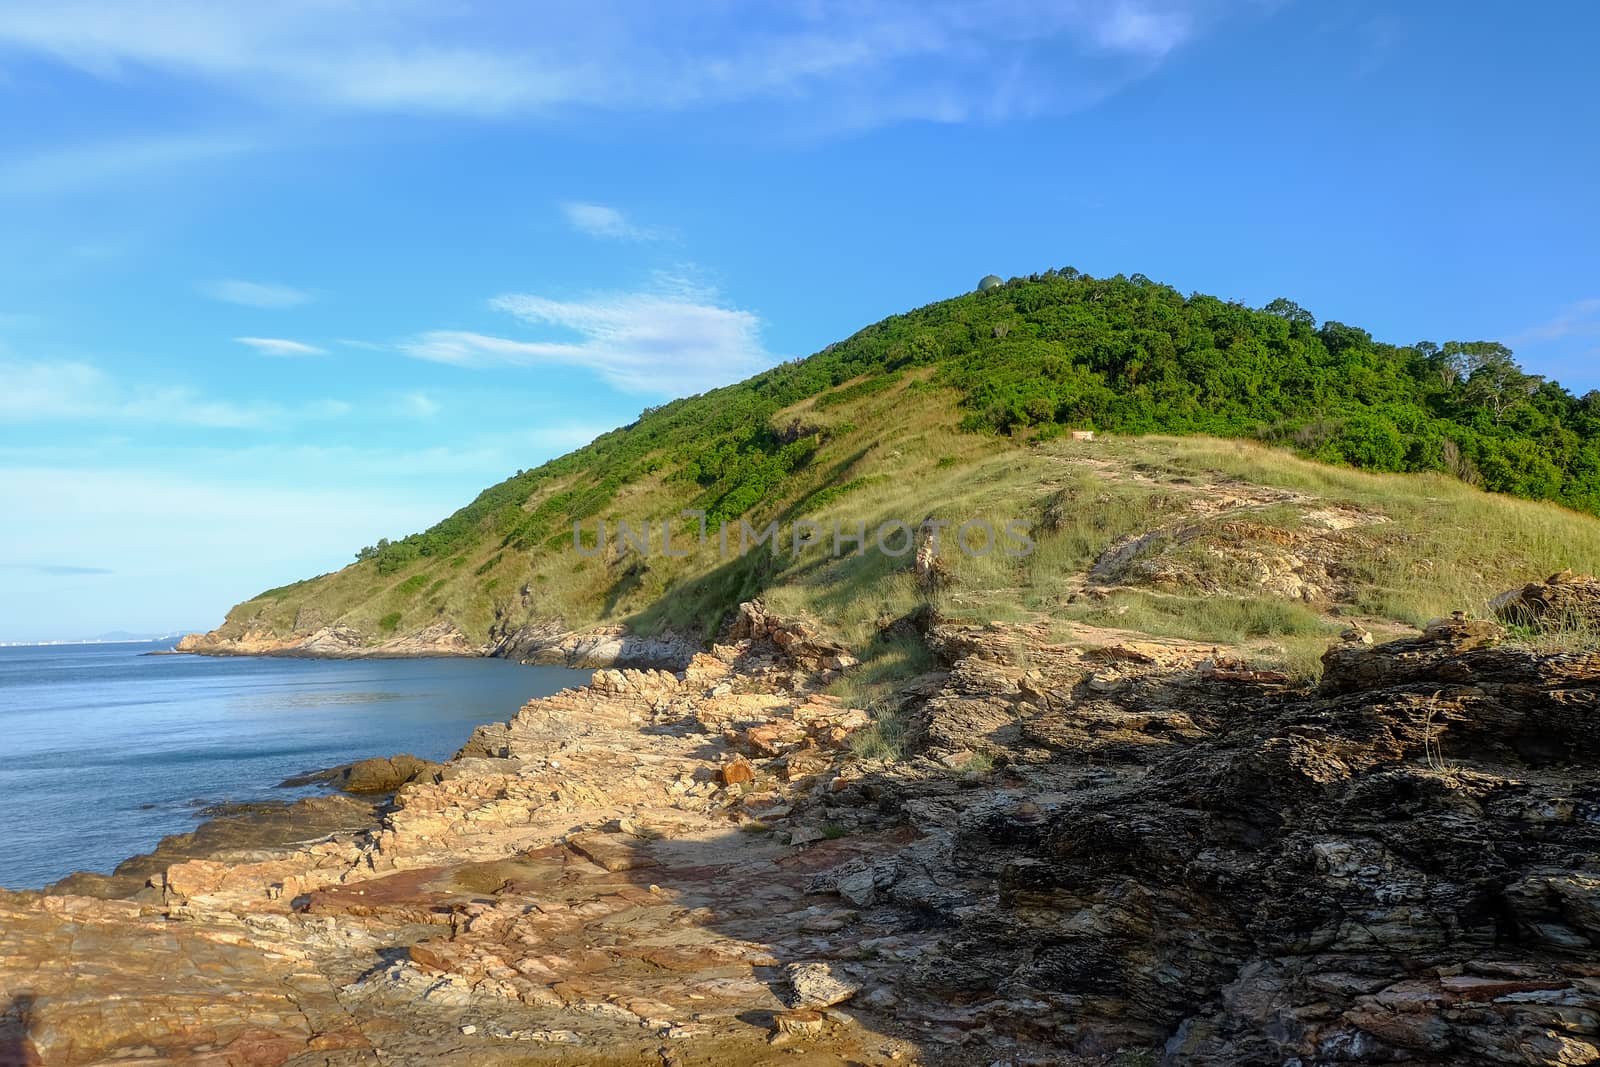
x,y
864,388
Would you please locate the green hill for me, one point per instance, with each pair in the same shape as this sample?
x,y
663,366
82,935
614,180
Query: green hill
x,y
958,411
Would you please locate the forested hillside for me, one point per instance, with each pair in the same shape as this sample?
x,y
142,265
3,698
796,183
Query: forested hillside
x,y
984,373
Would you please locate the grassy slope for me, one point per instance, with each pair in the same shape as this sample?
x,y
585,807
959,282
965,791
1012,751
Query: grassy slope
x,y
814,440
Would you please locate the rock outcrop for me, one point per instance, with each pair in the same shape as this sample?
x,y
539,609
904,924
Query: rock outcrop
x,y
1113,851
1562,602
1224,544
600,646
552,645
332,642
259,830
1402,865
369,777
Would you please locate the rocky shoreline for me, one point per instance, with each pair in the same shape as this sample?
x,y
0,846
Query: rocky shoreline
x,y
1121,851
553,646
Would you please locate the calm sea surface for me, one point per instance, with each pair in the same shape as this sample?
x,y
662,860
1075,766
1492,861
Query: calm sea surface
x,y
105,750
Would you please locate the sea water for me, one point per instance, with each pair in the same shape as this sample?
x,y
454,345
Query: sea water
x,y
105,749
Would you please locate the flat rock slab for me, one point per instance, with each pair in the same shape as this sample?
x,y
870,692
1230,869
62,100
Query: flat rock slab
x,y
819,985
614,852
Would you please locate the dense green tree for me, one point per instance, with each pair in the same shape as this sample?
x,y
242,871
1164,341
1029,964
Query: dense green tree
x,y
1368,440
1289,310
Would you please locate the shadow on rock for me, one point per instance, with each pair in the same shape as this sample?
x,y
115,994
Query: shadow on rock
x,y
16,1029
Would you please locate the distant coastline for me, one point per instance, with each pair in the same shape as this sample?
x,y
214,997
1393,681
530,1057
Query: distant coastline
x,y
118,639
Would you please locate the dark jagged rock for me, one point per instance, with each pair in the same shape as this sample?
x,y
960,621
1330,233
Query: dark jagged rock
x,y
1402,865
1433,657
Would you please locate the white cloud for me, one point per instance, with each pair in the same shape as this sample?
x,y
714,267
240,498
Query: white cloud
x,y
417,405
1141,30
327,409
279,346
69,168
38,392
945,60
564,438
254,294
43,390
668,342
465,464
1580,319
598,220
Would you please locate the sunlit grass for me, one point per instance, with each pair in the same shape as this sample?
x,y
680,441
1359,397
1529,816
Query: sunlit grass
x,y
1220,618
887,661
887,738
895,454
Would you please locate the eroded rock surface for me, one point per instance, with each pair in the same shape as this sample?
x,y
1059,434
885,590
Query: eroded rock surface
x,y
1228,540
1562,602
1120,851
600,646
330,642
1400,866
367,777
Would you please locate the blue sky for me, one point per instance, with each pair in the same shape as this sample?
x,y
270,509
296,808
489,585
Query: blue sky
x,y
279,279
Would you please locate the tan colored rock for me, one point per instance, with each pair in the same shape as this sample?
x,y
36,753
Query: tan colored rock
x,y
195,877
614,852
736,771
802,1022
771,739
806,763
819,985
332,642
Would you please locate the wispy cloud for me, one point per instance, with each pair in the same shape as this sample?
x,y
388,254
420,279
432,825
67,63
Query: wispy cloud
x,y
417,405
69,168
280,346
598,220
663,342
60,391
1384,37
254,294
327,408
1578,319
1141,29
461,463
560,436
944,60
58,570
